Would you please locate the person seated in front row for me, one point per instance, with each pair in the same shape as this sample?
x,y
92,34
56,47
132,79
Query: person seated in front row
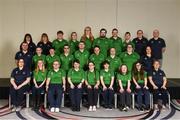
x,y
20,77
158,81
124,88
140,80
55,85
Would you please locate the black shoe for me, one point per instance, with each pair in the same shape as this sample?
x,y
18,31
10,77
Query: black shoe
x,y
141,109
73,108
110,107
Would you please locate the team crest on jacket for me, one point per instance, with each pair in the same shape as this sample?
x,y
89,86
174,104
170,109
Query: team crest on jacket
x,y
154,73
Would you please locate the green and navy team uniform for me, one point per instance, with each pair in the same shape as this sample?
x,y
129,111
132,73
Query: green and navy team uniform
x,y
140,45
97,60
88,44
45,47
49,61
103,43
157,77
59,45
76,93
142,92
66,62
107,94
117,44
19,77
55,87
129,59
39,76
124,44
73,44
36,58
125,97
92,78
82,57
115,63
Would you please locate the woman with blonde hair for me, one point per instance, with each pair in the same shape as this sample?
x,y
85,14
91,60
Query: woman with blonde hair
x,y
39,79
87,38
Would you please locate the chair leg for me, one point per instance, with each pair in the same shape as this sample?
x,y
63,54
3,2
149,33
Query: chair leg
x,y
169,101
45,100
133,101
9,101
98,104
62,105
27,100
115,100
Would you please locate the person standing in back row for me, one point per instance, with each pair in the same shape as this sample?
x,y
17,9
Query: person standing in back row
x,y
158,46
59,43
140,43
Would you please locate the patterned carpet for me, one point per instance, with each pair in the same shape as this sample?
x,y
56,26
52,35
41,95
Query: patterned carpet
x,y
101,113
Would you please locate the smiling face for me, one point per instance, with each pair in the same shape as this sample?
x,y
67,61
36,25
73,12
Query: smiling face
x,y
21,63
113,51
156,33
76,65
81,45
66,49
87,31
96,50
24,46
103,33
127,37
74,36
114,33
38,51
60,36
91,66
28,39
138,66
40,64
148,50
156,65
56,65
129,48
139,33
124,69
106,66
51,51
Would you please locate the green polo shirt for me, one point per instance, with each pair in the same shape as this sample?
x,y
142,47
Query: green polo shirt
x,y
56,77
73,46
76,76
66,61
36,58
49,61
82,57
107,75
92,77
124,45
114,63
124,78
103,43
88,43
117,44
39,76
97,60
140,81
129,60
58,45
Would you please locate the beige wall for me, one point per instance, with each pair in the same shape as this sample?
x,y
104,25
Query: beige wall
x,y
18,17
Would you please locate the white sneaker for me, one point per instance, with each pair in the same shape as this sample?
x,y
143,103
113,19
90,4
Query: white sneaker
x,y
94,108
13,109
52,109
18,109
90,108
56,109
127,107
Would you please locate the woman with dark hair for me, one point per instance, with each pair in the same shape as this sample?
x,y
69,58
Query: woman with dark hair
x,y
20,77
140,80
92,82
107,82
87,38
31,45
45,44
39,79
147,60
124,87
76,79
